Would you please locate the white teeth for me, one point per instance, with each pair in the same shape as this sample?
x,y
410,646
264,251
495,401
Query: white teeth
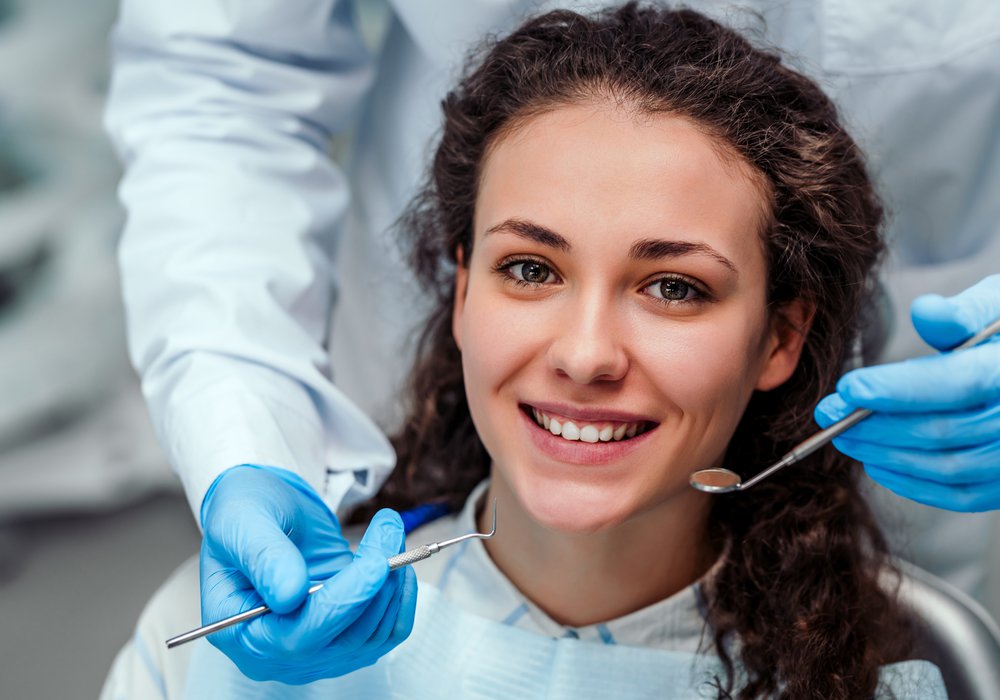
x,y
604,432
570,431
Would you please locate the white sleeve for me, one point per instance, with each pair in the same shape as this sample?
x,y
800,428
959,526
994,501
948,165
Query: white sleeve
x,y
222,113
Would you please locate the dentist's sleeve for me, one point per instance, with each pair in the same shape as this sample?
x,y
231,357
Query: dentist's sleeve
x,y
222,112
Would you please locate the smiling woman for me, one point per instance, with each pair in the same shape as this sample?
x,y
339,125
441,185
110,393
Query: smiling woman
x,y
638,317
649,244
627,315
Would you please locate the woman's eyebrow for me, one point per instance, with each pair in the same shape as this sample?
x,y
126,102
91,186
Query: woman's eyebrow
x,y
648,249
654,249
531,231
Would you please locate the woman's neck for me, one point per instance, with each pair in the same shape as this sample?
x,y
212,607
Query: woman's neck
x,y
583,579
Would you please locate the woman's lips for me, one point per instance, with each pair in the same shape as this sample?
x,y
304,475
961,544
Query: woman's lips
x,y
580,452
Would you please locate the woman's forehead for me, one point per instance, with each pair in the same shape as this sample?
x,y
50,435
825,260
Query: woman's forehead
x,y
585,167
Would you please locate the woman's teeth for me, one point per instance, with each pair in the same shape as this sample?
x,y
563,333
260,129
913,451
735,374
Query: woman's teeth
x,y
587,432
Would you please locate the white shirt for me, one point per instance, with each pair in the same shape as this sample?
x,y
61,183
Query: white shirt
x,y
223,111
467,576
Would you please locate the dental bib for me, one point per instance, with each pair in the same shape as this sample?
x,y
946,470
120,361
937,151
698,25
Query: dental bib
x,y
454,655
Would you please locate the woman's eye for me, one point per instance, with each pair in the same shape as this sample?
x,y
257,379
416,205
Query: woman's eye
x,y
530,271
674,289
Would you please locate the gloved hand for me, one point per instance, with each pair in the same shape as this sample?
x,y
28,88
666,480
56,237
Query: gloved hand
x,y
935,433
267,537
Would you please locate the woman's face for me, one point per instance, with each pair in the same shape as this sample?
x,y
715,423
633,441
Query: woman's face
x,y
612,315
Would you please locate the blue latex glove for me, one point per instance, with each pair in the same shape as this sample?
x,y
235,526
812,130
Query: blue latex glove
x,y
935,436
268,536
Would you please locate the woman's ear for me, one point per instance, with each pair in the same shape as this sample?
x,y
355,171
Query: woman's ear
x,y
461,286
789,327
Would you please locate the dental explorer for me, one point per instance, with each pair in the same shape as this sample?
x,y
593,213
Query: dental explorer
x,y
722,480
398,561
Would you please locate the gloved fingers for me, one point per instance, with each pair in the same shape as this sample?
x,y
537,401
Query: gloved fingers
x,y
402,608
342,600
395,627
325,616
977,465
246,527
389,619
275,567
269,495
380,613
398,619
965,498
944,322
938,431
384,538
225,591
326,552
948,382
403,602
407,611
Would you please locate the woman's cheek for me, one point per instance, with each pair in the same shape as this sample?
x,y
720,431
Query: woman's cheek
x,y
705,369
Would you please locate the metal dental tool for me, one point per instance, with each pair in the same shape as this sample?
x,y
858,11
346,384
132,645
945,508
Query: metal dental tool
x,y
721,480
395,562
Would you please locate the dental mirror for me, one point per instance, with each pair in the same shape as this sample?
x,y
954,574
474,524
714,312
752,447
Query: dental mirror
x,y
722,480
716,480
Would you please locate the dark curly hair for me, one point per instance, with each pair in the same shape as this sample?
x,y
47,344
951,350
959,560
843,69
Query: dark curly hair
x,y
798,590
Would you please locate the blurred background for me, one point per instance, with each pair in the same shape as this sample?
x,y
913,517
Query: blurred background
x,y
91,518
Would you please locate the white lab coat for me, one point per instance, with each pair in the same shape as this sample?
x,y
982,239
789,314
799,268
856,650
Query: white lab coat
x,y
223,110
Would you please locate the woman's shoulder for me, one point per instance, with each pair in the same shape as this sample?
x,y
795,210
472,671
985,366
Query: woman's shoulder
x,y
914,679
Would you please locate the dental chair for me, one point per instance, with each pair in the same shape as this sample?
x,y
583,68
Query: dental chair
x,y
956,633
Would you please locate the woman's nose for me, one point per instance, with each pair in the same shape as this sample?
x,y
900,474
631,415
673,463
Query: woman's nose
x,y
588,345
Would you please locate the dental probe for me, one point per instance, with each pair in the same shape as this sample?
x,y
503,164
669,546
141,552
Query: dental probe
x,y
398,561
722,480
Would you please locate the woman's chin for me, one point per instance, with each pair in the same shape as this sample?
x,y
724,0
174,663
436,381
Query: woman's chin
x,y
568,525
576,508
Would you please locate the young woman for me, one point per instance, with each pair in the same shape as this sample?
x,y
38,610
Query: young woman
x,y
646,245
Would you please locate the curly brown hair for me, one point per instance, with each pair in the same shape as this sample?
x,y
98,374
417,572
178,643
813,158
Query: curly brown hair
x,y
798,590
